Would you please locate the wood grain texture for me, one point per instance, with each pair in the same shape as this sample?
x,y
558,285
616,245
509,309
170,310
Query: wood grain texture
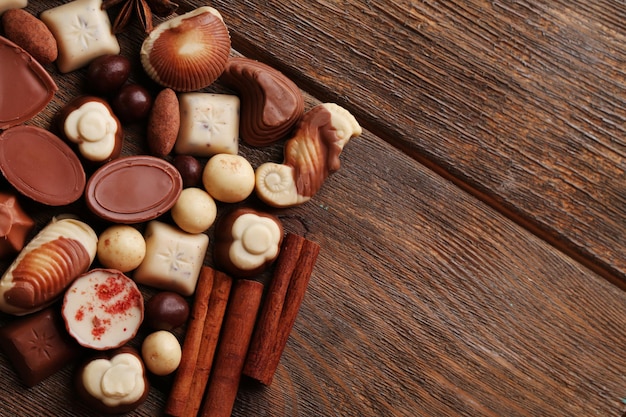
x,y
425,301
523,104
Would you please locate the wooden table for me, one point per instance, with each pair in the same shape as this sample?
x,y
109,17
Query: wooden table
x,y
473,241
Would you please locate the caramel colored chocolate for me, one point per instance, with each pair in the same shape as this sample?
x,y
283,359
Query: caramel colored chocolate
x,y
38,345
25,81
133,189
41,166
15,225
271,104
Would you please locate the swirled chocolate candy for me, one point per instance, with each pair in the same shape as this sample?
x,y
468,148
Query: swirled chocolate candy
x,y
41,166
25,81
271,104
133,189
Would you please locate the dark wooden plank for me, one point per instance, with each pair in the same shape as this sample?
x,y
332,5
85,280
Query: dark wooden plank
x,y
424,301
520,103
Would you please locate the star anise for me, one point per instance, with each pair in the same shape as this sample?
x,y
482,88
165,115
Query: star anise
x,y
144,9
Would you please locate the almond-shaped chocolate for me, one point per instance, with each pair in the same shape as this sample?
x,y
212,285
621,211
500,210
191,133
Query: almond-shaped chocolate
x,y
41,166
59,253
247,241
22,79
271,104
89,124
133,189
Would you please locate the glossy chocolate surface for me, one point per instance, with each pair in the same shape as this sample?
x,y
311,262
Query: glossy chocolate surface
x,y
133,189
15,225
25,86
41,166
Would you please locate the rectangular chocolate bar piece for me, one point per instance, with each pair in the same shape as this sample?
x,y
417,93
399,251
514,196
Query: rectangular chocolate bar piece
x,y
38,345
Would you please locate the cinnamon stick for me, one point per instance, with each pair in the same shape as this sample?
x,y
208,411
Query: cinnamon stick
x,y
177,400
285,295
237,330
210,335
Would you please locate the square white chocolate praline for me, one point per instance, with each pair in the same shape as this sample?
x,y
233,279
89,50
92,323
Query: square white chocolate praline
x,y
173,258
82,31
209,124
12,4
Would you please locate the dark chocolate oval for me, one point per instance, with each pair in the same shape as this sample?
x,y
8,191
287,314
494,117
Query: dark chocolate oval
x,y
133,189
25,86
41,166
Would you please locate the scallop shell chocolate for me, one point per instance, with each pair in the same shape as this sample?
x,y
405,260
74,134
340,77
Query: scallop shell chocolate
x,y
133,189
60,252
187,52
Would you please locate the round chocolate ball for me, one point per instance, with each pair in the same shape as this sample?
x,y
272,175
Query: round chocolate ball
x,y
131,103
166,310
190,169
107,73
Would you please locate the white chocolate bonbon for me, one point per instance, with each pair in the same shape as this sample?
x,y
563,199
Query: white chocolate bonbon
x,y
117,381
83,32
161,352
194,211
121,247
94,129
12,4
209,124
173,258
228,178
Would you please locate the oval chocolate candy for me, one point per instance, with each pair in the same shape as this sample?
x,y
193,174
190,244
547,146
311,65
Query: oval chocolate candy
x,y
41,166
133,189
25,86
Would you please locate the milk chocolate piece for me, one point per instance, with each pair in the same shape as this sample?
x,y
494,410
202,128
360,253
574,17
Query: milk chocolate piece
x,y
247,241
89,123
113,382
133,189
41,166
59,253
271,104
22,79
38,345
15,225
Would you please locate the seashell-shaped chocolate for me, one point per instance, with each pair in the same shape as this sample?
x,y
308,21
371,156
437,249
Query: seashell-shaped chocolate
x,y
311,155
59,253
271,104
187,52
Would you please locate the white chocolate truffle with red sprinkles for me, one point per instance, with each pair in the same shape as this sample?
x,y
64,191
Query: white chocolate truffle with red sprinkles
x,y
103,309
228,178
121,247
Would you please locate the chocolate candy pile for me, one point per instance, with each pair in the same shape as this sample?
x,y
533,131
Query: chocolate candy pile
x,y
83,286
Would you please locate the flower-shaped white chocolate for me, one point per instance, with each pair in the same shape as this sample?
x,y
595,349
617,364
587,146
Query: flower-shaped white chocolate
x,y
256,240
115,381
93,128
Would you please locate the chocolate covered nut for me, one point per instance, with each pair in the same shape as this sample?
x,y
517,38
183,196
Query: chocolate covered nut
x,y
23,79
107,73
47,170
247,242
103,309
15,225
82,31
190,169
209,124
38,345
132,103
89,123
59,253
113,382
121,247
31,34
228,178
187,52
271,104
161,352
173,258
163,123
133,189
310,156
166,310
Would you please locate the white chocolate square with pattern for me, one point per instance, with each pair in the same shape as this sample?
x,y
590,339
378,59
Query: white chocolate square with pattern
x,y
173,258
82,31
209,124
